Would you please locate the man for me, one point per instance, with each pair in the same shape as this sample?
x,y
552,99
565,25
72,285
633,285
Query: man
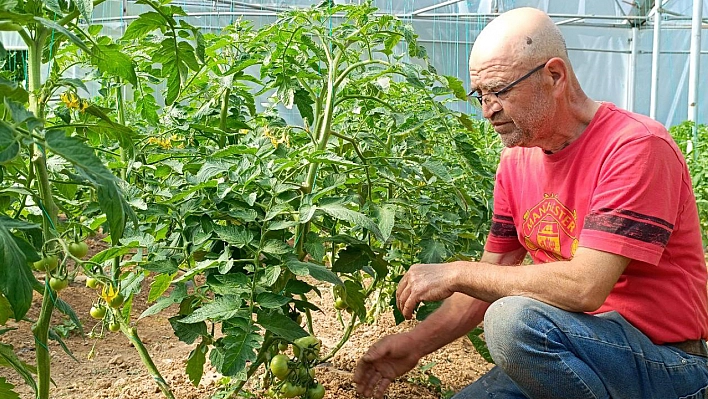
x,y
615,305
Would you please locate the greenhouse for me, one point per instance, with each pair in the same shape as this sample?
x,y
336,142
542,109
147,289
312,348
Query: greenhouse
x,y
333,199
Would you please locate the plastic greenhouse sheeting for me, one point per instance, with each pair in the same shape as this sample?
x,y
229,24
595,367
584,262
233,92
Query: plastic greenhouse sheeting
x,y
598,34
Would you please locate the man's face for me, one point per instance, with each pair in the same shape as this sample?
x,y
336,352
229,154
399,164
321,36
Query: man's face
x,y
510,101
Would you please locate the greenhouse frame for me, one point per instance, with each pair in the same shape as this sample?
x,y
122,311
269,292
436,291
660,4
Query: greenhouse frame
x,y
650,51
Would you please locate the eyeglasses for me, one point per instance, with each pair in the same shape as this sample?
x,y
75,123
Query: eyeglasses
x,y
480,96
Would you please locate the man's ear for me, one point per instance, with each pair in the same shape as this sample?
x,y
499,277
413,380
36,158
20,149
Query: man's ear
x,y
559,71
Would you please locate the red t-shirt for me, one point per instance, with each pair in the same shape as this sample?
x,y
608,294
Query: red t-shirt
x,y
622,187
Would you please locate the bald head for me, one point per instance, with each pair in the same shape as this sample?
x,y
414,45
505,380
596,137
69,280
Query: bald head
x,y
521,36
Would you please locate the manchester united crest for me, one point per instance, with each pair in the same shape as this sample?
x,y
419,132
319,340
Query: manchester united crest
x,y
550,230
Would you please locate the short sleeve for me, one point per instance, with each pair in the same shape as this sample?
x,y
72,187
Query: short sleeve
x,y
635,205
503,236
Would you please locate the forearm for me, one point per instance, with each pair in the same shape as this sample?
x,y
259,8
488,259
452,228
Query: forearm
x,y
458,315
565,284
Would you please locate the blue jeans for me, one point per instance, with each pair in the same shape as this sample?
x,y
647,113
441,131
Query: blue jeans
x,y
543,352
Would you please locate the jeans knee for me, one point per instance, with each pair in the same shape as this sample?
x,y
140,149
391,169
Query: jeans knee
x,y
511,325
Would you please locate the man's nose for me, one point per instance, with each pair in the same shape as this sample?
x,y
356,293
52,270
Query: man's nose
x,y
490,107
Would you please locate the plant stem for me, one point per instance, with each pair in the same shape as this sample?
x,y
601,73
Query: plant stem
x,y
40,330
345,337
223,117
132,335
39,161
121,120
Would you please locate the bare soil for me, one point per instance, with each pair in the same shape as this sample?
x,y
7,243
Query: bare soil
x,y
110,368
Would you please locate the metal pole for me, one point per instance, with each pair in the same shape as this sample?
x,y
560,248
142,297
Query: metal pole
x,y
694,65
631,72
656,48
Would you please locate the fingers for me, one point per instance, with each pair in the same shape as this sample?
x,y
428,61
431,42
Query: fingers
x,y
405,300
375,385
366,376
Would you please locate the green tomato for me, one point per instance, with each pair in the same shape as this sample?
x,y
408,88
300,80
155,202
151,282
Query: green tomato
x,y
340,304
114,326
116,301
98,312
288,390
78,249
282,346
305,373
92,282
316,392
279,366
47,264
310,344
58,284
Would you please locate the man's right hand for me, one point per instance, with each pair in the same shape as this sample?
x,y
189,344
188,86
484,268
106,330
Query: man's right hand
x,y
387,359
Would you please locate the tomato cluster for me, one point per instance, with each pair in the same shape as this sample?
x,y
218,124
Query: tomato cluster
x,y
297,375
56,270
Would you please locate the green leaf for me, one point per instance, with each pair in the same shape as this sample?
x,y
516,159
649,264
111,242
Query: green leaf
x,y
281,225
65,308
188,333
276,247
479,344
111,253
355,298
239,236
426,309
269,300
6,391
306,212
438,169
386,216
61,29
176,296
85,8
221,308
16,278
234,352
338,211
432,251
6,5
5,310
8,355
113,62
110,197
457,87
18,112
9,146
310,269
350,259
146,23
304,102
174,82
280,325
11,90
195,363
159,285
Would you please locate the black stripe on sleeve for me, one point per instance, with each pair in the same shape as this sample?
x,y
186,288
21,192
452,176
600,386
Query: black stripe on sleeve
x,y
503,230
622,226
503,218
637,215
